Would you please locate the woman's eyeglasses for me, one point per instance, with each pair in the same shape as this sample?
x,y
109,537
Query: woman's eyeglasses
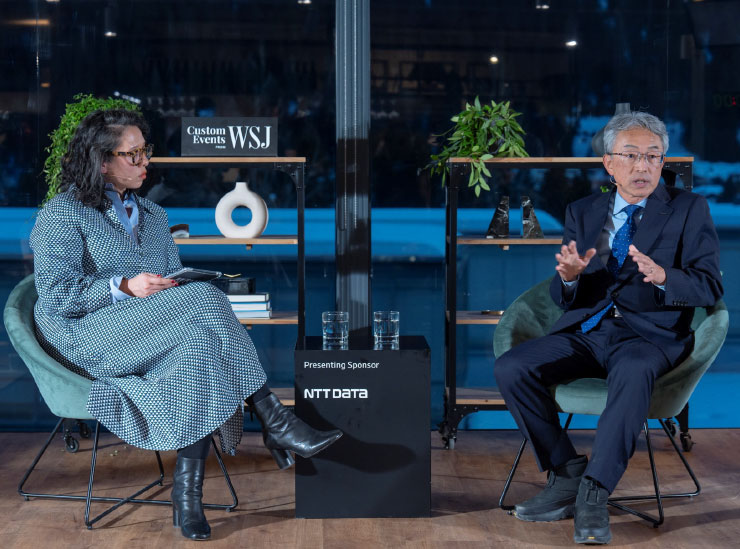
x,y
137,155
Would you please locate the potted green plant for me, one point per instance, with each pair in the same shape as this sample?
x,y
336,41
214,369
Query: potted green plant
x,y
481,132
74,112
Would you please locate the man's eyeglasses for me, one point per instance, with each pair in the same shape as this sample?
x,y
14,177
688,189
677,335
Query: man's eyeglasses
x,y
654,159
137,155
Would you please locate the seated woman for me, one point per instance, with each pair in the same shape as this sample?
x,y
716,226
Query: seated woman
x,y
170,363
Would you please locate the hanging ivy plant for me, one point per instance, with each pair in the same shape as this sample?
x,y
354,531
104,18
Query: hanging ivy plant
x,y
74,112
481,132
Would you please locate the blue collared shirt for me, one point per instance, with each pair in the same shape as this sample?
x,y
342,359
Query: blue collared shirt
x,y
131,224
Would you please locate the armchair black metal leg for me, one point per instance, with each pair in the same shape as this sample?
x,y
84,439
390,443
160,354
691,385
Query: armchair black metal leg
x,y
501,504
132,498
656,484
118,501
93,459
161,467
658,497
234,499
686,466
89,498
26,495
614,502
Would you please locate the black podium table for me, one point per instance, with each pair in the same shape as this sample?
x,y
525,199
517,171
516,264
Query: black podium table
x,y
380,398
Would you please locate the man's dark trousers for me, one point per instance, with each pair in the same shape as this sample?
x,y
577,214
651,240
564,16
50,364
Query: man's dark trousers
x,y
612,350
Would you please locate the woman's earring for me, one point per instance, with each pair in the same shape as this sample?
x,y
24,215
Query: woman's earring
x,y
612,180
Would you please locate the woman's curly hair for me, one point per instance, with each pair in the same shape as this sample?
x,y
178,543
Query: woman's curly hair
x,y
96,137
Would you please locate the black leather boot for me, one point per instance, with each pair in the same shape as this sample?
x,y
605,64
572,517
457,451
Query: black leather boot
x,y
557,499
283,432
187,498
591,523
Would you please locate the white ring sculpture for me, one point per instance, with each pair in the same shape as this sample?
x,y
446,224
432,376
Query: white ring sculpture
x,y
241,196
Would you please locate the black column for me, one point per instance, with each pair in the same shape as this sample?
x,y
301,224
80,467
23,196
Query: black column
x,y
353,163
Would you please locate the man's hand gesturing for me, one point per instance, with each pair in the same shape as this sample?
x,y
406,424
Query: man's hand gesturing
x,y
570,264
653,272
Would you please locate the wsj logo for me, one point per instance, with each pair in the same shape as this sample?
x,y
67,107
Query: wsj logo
x,y
229,136
255,137
335,393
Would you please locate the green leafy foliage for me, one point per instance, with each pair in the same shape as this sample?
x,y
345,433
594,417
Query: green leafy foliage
x,y
481,132
74,112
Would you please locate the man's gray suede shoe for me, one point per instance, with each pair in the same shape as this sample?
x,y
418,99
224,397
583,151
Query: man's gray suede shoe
x,y
591,524
556,501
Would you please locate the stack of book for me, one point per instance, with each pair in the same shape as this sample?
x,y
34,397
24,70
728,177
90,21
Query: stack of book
x,y
251,305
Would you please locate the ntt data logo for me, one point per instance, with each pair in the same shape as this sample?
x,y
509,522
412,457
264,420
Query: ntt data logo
x,y
334,393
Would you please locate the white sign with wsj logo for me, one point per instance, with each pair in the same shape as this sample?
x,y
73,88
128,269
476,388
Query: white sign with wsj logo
x,y
226,136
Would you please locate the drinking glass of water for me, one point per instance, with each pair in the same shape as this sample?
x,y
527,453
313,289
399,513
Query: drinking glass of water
x,y
385,329
335,328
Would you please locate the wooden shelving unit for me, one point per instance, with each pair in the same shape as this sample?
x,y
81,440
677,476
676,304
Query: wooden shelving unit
x,y
681,166
478,317
480,396
273,240
224,160
460,401
295,168
278,317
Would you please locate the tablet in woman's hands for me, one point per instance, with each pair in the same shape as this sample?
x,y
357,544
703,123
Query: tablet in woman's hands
x,y
189,274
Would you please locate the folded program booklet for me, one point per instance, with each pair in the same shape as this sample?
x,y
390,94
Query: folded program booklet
x,y
189,274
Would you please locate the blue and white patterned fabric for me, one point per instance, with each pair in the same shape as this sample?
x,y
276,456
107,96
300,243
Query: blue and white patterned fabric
x,y
168,369
620,249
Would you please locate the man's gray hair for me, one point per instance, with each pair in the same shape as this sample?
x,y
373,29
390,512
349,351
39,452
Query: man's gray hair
x,y
627,121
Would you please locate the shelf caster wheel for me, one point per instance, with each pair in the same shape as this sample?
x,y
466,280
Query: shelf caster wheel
x,y
444,430
71,445
671,426
84,429
686,442
26,498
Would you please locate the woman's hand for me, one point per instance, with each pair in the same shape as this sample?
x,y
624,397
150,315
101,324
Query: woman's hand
x,y
145,284
570,264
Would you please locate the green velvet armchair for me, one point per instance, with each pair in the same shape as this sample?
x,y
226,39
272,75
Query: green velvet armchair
x,y
66,394
531,316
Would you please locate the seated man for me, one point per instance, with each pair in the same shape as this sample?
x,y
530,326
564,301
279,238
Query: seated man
x,y
627,319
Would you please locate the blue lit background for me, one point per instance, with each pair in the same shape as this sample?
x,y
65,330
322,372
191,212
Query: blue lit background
x,y
677,60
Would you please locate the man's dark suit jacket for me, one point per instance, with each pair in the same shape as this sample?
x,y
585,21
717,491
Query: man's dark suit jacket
x,y
677,232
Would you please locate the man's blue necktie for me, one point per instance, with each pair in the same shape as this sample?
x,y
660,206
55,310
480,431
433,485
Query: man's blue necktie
x,y
620,247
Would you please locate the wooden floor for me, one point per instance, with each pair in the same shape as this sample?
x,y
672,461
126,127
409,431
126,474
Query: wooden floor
x,y
466,483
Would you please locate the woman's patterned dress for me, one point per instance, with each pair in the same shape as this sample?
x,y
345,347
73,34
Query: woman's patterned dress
x,y
168,369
